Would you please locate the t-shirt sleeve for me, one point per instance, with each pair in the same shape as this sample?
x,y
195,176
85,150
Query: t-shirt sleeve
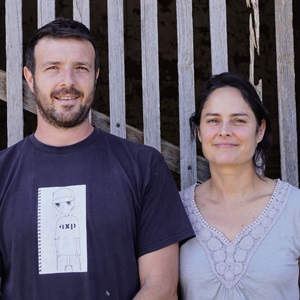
x,y
1,270
163,220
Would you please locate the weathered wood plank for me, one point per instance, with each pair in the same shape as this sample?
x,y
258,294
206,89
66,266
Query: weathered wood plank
x,y
14,64
150,73
188,163
81,11
116,67
254,42
170,152
46,12
286,90
218,36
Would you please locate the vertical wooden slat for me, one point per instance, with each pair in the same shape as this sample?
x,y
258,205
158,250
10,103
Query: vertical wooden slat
x,y
286,90
150,73
254,41
218,36
116,67
81,11
46,12
188,163
14,63
254,34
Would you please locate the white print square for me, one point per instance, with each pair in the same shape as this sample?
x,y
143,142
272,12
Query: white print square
x,y
62,236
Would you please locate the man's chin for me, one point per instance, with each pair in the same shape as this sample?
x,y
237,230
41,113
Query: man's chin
x,y
65,121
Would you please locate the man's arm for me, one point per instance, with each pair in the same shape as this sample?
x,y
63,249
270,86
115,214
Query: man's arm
x,y
158,272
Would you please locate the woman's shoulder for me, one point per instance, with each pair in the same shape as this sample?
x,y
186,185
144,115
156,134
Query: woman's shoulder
x,y
287,193
188,194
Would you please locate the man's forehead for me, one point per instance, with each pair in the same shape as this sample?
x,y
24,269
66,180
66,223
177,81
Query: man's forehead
x,y
52,49
48,42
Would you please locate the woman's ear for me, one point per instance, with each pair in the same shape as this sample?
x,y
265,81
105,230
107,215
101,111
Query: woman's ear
x,y
261,131
199,134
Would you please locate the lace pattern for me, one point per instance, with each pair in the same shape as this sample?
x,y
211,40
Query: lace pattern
x,y
229,259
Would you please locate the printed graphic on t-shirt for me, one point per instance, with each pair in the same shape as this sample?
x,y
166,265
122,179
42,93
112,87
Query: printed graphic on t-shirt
x,y
62,234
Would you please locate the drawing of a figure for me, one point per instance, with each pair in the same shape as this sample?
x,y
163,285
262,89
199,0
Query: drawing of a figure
x,y
67,235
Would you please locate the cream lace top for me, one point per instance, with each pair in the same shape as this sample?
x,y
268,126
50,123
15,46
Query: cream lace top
x,y
212,267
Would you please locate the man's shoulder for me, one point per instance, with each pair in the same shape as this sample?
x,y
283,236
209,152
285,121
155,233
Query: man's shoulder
x,y
133,146
12,151
10,159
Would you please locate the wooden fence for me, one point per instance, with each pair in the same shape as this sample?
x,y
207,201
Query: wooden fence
x,y
182,159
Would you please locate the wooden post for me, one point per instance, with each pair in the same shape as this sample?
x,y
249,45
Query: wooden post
x,y
218,36
150,73
116,67
14,67
46,12
81,11
286,90
188,163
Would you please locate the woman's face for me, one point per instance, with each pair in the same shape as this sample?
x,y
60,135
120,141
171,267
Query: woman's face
x,y
228,129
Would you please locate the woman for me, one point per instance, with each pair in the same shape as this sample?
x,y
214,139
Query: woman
x,y
247,226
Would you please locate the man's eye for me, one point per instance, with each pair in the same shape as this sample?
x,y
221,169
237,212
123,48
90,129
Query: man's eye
x,y
57,204
212,121
52,68
69,202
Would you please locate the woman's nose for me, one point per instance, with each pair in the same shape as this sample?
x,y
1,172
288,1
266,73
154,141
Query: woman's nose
x,y
225,129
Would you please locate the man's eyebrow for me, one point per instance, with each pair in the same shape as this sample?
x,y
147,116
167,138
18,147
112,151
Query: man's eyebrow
x,y
79,63
49,62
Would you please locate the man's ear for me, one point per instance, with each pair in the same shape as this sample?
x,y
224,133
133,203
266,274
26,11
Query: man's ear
x,y
29,78
97,73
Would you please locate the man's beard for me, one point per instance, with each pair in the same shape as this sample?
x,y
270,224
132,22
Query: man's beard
x,y
64,119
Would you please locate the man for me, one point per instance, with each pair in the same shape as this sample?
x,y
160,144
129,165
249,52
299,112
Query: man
x,y
128,214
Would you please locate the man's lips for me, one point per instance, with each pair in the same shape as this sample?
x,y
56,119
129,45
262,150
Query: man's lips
x,y
66,98
66,94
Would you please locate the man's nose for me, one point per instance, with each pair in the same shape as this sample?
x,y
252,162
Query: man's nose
x,y
68,78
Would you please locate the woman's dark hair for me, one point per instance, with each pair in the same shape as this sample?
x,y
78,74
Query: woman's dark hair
x,y
59,29
251,97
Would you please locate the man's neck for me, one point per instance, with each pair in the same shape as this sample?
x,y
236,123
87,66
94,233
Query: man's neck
x,y
58,137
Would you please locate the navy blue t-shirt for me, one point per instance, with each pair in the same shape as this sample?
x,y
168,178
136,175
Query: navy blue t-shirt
x,y
75,219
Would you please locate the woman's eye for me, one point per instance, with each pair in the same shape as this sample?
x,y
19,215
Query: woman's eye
x,y
82,68
212,121
239,121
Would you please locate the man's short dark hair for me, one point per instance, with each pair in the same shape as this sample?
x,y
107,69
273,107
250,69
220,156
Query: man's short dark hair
x,y
60,29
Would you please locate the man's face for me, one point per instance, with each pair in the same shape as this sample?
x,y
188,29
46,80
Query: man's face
x,y
64,80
